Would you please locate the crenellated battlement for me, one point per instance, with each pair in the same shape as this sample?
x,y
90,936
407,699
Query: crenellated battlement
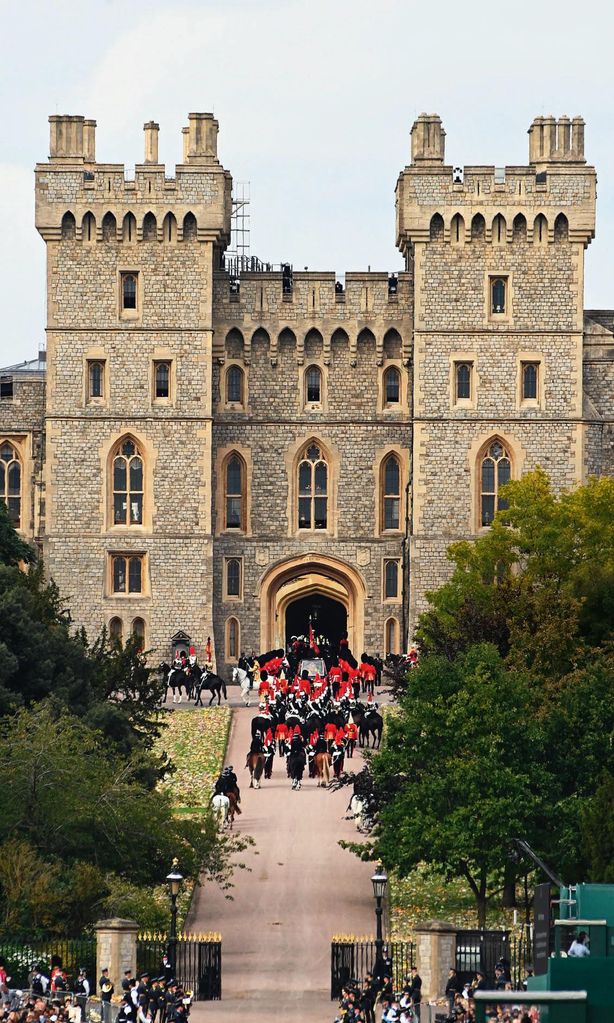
x,y
362,310
556,183
72,183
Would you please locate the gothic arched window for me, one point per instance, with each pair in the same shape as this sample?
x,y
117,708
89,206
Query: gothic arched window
x,y
234,385
391,636
495,470
463,381
312,489
233,639
391,493
10,481
313,385
392,386
138,631
128,291
498,294
116,630
234,493
233,577
127,484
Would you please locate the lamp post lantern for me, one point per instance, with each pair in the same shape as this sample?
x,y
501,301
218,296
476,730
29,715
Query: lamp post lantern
x,y
174,880
380,884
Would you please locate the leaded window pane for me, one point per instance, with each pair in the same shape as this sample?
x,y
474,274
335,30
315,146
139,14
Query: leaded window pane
x,y
488,509
233,476
138,629
115,629
136,474
320,512
321,475
529,381
96,380
488,476
392,579
2,478
392,476
120,474
6,452
235,384
304,478
233,581
463,381
14,479
136,509
134,575
233,512
14,510
391,512
162,380
313,453
313,384
129,291
304,513
119,575
498,296
393,386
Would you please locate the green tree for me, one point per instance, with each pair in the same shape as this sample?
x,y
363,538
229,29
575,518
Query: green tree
x,y
462,770
13,550
539,584
597,829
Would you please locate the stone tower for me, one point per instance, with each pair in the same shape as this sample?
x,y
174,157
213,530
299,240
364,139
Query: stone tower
x,y
130,265
498,261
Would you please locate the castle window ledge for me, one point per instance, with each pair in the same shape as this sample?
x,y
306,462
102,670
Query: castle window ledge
x,y
234,296
130,185
393,297
287,296
340,297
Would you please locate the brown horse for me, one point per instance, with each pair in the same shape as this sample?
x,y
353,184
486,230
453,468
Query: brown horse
x,y
323,762
255,763
234,808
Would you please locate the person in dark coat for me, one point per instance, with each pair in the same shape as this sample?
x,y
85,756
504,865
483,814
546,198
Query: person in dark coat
x,y
415,991
453,987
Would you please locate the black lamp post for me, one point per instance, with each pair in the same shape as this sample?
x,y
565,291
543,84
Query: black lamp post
x,y
174,880
380,884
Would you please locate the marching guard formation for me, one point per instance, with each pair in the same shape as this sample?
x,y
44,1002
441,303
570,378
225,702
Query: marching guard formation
x,y
311,717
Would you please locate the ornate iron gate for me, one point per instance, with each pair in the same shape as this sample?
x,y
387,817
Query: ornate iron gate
x,y
199,962
351,960
481,950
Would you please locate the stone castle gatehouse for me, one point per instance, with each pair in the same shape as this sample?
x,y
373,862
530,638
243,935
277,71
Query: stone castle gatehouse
x,y
210,448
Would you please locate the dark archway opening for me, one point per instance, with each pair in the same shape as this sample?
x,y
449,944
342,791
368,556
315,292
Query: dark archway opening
x,y
328,617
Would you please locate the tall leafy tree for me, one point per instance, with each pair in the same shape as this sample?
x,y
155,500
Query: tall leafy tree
x,y
539,584
463,769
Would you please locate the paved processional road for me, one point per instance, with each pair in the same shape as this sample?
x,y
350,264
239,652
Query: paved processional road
x,y
300,890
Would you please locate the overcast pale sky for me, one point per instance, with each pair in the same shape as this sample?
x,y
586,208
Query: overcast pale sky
x,y
315,100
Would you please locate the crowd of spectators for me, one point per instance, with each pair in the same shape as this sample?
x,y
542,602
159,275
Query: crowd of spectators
x,y
53,996
376,1001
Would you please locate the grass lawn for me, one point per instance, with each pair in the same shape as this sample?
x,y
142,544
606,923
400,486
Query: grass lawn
x,y
195,742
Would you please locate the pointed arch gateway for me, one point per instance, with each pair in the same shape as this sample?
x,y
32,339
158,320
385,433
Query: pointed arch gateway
x,y
319,577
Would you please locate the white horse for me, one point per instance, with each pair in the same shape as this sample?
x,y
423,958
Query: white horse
x,y
221,808
240,676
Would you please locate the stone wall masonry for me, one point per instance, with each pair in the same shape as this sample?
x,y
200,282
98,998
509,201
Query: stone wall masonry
x,y
84,285
179,572
496,367
129,360
454,288
350,392
446,474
